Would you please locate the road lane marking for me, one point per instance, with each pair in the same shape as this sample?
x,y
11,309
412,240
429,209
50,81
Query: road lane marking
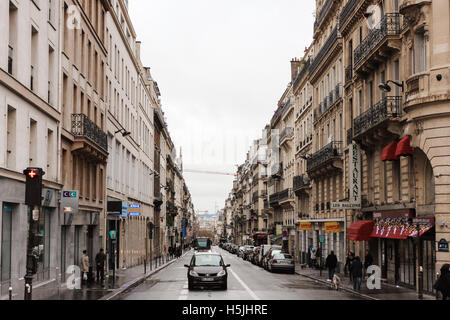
x,y
249,291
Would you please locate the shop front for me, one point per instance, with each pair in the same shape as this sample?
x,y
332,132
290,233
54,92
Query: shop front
x,y
393,240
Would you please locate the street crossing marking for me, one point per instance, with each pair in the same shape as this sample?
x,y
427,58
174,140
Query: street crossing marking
x,y
250,292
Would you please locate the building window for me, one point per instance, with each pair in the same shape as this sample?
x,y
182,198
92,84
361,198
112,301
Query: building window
x,y
12,37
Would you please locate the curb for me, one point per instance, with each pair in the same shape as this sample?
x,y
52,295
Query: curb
x,y
136,282
340,289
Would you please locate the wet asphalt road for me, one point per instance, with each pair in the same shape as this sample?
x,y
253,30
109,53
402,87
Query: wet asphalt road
x,y
245,282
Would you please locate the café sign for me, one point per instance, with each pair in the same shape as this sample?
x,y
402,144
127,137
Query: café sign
x,y
355,174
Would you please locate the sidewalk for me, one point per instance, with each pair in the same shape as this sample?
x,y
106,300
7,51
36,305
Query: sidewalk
x,y
387,292
109,289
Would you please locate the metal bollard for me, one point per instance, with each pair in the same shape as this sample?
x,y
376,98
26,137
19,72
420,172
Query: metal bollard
x,y
10,293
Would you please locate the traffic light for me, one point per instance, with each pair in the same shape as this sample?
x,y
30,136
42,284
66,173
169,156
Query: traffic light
x,y
33,191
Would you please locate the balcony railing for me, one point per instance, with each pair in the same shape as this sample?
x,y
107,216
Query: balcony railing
x,y
347,11
324,50
329,152
348,74
323,13
274,198
389,25
301,182
287,133
389,107
285,195
83,127
277,169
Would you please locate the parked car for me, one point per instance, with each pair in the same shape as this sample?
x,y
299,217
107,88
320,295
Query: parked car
x,y
263,249
240,252
269,255
281,262
206,270
253,256
234,249
247,250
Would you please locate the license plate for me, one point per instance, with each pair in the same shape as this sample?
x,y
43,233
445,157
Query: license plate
x,y
208,279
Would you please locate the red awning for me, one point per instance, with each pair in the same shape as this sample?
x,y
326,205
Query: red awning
x,y
404,148
360,231
388,153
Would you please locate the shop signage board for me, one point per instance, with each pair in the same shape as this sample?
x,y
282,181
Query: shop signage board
x,y
306,226
443,246
70,201
355,174
332,227
124,209
345,205
134,210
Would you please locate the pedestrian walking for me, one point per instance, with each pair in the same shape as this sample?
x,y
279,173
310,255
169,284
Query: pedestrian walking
x,y
85,266
442,284
357,272
100,259
331,264
368,260
313,258
348,265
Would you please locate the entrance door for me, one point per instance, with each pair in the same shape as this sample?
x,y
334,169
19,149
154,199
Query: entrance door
x,y
90,241
76,246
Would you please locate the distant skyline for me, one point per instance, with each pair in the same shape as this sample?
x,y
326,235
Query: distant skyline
x,y
221,67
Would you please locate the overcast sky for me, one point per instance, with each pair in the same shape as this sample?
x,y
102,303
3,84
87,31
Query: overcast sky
x,y
221,67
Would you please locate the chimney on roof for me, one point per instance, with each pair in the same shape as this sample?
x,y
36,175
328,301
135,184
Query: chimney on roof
x,y
295,67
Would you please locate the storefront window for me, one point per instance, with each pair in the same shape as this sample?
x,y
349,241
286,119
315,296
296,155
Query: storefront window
x,y
42,251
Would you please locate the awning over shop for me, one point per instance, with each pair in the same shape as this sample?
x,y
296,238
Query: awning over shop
x,y
388,153
360,230
404,148
399,228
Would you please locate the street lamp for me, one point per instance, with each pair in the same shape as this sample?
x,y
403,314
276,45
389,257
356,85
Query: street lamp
x,y
387,88
125,133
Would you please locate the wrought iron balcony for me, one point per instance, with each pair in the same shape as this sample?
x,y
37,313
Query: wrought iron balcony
x,y
286,195
323,13
83,127
274,199
287,133
326,154
388,26
277,170
301,182
347,11
348,74
324,50
387,108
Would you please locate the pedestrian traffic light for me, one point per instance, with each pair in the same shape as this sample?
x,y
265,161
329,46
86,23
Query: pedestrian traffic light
x,y
33,191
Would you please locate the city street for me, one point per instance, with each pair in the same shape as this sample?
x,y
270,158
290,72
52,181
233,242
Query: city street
x,y
245,282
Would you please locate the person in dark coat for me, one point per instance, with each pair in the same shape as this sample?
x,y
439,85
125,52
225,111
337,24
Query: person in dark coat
x,y
368,260
331,264
357,272
443,283
348,264
100,259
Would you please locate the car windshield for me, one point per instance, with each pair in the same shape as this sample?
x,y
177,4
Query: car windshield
x,y
274,252
208,260
281,256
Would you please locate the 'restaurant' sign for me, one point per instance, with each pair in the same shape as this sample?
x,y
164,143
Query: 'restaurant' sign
x,y
332,227
355,174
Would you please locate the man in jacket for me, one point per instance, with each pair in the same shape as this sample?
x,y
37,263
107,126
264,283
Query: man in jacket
x,y
85,266
368,261
331,264
348,265
100,259
357,272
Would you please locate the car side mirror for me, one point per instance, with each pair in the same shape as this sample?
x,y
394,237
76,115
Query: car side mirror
x,y
228,265
186,266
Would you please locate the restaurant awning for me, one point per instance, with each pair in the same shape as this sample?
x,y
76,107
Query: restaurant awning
x,y
388,153
404,148
399,228
360,230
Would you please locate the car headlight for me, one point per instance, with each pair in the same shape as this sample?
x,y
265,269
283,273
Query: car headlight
x,y
193,273
221,273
